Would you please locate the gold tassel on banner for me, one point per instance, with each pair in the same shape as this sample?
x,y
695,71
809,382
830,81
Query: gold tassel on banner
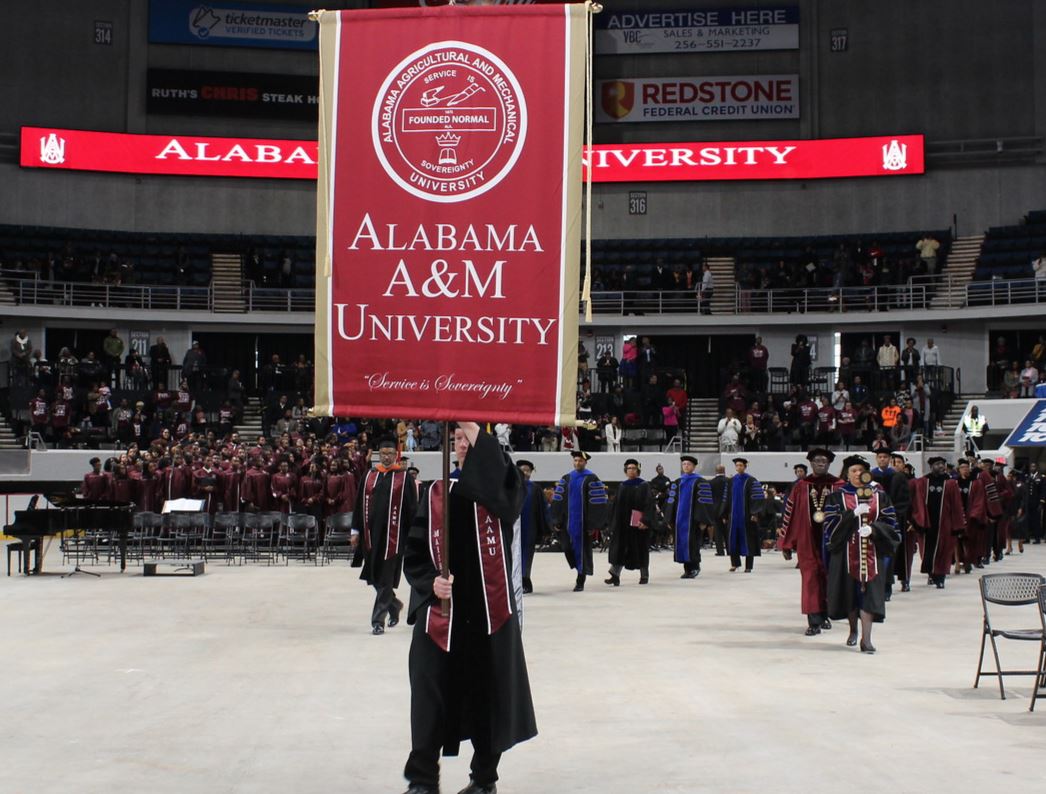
x,y
586,289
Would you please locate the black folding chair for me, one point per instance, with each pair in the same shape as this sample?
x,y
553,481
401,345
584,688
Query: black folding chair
x,y
1040,680
337,540
298,537
224,536
1008,590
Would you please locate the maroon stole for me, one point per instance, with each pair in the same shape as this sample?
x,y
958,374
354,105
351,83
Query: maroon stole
x,y
493,567
395,514
853,546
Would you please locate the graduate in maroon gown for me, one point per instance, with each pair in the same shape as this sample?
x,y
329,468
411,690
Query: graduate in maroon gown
x,y
1004,525
255,489
96,485
205,486
147,490
177,480
966,553
231,481
802,531
340,489
122,487
284,488
311,489
937,512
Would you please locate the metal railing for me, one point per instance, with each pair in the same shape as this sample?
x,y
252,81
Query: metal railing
x,y
921,292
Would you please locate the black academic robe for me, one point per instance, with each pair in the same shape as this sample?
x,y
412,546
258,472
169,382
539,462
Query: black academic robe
x,y
896,484
479,687
579,509
376,569
845,593
742,532
533,523
630,542
719,484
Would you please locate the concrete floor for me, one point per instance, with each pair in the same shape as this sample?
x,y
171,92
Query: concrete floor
x,y
260,679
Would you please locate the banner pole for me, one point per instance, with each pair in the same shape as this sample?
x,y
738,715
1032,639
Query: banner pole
x,y
444,604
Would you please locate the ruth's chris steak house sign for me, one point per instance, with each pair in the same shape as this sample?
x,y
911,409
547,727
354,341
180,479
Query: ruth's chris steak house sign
x,y
188,155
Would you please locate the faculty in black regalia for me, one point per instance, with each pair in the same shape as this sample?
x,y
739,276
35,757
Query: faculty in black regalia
x,y
534,521
385,506
860,529
468,675
630,520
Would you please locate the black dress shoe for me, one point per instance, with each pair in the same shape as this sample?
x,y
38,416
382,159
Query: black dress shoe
x,y
579,585
416,788
869,648
614,580
940,584
827,625
851,640
906,588
394,612
473,788
528,586
377,629
812,631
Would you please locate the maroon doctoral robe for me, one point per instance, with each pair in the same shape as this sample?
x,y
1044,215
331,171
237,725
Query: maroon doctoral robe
x,y
940,540
805,536
983,508
97,487
1005,491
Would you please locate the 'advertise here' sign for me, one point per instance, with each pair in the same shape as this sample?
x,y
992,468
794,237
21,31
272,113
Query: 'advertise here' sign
x,y
705,30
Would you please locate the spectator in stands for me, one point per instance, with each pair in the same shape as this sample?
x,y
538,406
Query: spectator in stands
x,y
1011,379
160,363
729,431
858,392
735,396
927,248
21,351
646,357
840,397
112,355
890,414
234,394
910,360
653,399
751,438
68,364
1029,379
40,414
1038,269
135,374
670,419
826,425
43,376
606,369
887,358
582,360
677,394
922,399
612,434
706,290
1000,361
193,364
799,374
846,424
806,411
758,362
931,358
1038,353
629,362
90,370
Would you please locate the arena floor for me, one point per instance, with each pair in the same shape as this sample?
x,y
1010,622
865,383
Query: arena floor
x,y
256,679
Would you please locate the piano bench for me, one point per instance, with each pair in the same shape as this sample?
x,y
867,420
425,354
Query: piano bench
x,y
19,548
180,567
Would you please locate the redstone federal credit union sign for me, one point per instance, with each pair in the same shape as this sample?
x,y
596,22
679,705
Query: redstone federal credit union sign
x,y
188,155
719,98
448,228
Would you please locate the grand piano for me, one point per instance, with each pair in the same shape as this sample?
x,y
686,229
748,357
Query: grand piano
x,y
69,512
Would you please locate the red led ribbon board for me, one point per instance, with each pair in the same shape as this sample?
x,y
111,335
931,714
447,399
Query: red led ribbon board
x,y
191,155
449,212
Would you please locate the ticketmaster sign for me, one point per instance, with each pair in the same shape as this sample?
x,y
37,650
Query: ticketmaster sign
x,y
231,24
1031,432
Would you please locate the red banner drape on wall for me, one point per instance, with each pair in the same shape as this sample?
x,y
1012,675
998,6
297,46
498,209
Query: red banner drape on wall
x,y
449,212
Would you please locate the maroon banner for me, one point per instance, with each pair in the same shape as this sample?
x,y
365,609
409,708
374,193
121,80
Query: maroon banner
x,y
193,155
449,213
